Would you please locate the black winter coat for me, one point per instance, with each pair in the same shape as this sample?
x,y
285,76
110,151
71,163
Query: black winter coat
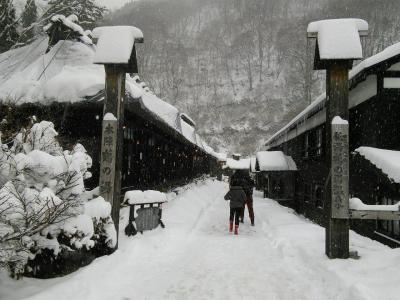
x,y
242,178
237,196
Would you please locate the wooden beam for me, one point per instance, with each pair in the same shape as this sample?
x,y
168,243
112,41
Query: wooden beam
x,y
114,104
374,215
314,35
337,90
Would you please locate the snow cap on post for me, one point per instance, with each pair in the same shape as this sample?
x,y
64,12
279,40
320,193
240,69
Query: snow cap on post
x,y
337,40
116,46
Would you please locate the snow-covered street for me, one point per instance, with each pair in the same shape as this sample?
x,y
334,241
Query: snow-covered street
x,y
194,257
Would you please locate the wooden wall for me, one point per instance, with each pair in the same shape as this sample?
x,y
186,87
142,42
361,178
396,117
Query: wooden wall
x,y
155,157
373,123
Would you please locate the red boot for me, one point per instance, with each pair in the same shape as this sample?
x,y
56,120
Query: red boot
x,y
236,229
230,227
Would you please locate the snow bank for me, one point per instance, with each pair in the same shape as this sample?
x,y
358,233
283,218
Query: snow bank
x,y
339,38
275,161
386,160
286,251
140,197
115,43
357,204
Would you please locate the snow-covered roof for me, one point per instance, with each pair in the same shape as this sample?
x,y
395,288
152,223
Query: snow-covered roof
x,y
67,74
242,164
70,22
115,43
339,38
386,160
141,197
275,161
319,103
188,132
64,74
223,157
188,119
386,54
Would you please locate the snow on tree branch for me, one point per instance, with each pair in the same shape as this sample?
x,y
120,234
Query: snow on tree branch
x,y
43,199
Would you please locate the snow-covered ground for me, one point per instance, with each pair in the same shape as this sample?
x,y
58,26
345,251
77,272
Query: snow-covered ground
x,y
194,257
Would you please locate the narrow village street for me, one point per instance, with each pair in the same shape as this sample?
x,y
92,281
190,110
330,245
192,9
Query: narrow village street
x,y
195,257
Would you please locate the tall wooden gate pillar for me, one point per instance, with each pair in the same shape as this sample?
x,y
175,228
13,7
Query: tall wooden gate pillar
x,y
338,44
116,51
337,159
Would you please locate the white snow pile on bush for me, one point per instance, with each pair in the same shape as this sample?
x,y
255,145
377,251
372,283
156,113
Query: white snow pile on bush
x,y
43,198
140,197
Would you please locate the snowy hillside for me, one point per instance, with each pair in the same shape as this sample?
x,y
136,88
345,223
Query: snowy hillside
x,y
240,65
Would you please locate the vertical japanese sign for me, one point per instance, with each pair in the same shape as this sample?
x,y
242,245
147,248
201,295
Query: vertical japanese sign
x,y
340,171
108,157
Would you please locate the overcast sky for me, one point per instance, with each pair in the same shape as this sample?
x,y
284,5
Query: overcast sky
x,y
113,3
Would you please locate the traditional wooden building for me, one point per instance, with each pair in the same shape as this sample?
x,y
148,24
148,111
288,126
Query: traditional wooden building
x,y
233,164
276,175
374,103
162,148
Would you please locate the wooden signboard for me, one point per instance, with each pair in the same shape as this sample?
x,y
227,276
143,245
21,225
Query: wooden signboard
x,y
340,171
108,158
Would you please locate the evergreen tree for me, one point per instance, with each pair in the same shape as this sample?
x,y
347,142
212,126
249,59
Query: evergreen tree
x,y
87,11
29,18
8,25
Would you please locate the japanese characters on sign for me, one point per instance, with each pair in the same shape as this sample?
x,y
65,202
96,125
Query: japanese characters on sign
x,y
340,171
108,159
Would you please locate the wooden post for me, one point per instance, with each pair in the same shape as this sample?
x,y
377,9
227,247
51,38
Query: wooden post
x,y
117,63
337,60
337,226
112,139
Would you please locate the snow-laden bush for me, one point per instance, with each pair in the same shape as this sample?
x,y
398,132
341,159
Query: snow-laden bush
x,y
43,203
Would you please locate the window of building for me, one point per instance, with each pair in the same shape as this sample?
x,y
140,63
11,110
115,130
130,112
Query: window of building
x,y
307,193
319,141
151,142
306,145
390,228
319,196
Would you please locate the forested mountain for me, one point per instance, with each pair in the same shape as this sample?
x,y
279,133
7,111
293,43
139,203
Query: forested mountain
x,y
238,66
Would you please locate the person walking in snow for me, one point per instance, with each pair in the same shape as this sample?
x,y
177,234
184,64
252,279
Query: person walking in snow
x,y
244,180
237,198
